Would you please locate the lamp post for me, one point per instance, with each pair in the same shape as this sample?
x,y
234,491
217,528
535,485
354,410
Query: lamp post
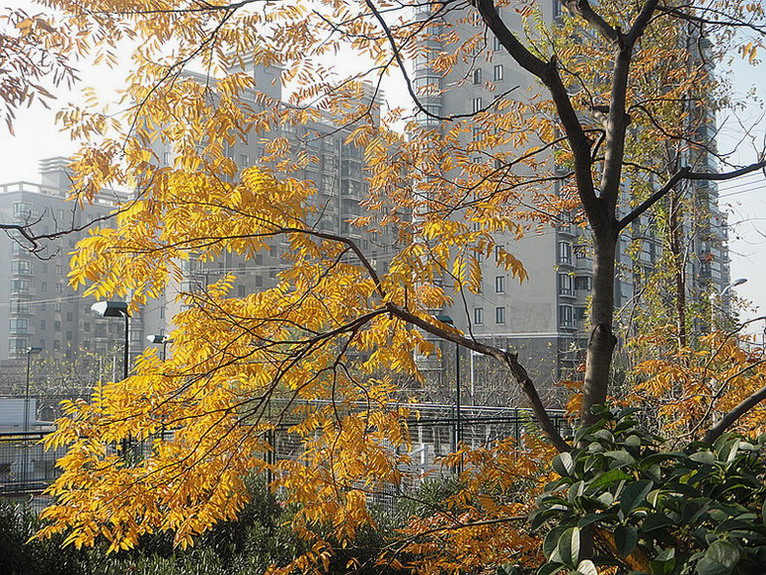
x,y
117,309
30,352
719,297
458,427
160,339
473,384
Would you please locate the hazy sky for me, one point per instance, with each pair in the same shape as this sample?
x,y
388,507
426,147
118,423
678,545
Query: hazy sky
x,y
745,200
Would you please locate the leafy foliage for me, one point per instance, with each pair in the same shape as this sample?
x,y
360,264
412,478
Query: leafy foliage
x,y
318,351
624,500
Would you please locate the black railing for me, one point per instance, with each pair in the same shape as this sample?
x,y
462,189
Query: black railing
x,y
26,468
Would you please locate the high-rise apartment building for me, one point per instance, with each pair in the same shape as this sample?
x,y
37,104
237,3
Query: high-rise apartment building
x,y
42,311
334,167
544,318
37,307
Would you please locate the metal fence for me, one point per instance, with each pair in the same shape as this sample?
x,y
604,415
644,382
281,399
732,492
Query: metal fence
x,y
26,468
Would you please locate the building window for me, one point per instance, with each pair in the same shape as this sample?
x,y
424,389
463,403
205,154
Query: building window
x,y
42,325
21,267
583,283
477,105
580,313
18,345
500,284
477,77
19,325
580,252
496,43
258,281
22,209
500,315
565,284
59,288
566,316
478,315
498,73
240,291
57,325
565,253
21,306
20,286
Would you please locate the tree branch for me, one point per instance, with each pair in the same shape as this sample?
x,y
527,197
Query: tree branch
x,y
547,73
730,418
584,10
684,173
509,359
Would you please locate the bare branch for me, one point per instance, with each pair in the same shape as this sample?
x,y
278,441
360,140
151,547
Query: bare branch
x,y
509,359
685,173
731,418
584,10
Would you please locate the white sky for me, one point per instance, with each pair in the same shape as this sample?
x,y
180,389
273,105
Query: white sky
x,y
37,137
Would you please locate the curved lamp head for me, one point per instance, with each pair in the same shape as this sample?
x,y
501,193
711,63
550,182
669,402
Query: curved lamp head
x,y
157,338
444,318
110,308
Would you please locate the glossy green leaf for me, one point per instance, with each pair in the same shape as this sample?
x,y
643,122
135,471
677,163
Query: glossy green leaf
x,y
664,562
634,495
625,539
569,546
724,553
586,567
563,464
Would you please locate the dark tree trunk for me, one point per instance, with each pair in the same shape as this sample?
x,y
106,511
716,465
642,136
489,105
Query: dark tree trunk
x,y
602,340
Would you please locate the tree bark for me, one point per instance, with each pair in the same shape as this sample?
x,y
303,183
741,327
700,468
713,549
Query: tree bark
x,y
602,341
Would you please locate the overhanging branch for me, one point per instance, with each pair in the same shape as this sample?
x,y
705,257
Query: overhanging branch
x,y
504,357
731,418
684,173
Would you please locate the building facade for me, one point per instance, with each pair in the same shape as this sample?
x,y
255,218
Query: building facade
x,y
545,318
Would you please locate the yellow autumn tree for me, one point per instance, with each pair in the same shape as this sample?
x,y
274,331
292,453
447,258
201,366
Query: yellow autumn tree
x,y
318,351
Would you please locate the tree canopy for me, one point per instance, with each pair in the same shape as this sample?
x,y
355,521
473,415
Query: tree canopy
x,y
604,125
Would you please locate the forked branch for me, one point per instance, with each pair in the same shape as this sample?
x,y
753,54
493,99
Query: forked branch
x,y
731,418
684,173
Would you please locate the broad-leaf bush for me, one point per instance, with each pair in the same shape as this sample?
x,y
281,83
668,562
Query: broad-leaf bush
x,y
623,500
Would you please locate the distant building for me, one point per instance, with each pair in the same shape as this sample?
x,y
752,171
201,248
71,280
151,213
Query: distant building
x,y
42,311
37,307
544,319
335,168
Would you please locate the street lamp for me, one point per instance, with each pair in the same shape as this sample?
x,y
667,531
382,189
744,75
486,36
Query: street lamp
x,y
117,309
30,352
719,297
160,339
458,427
737,282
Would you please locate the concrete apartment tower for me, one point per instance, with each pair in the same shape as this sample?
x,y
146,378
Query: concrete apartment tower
x,y
335,169
38,308
545,318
